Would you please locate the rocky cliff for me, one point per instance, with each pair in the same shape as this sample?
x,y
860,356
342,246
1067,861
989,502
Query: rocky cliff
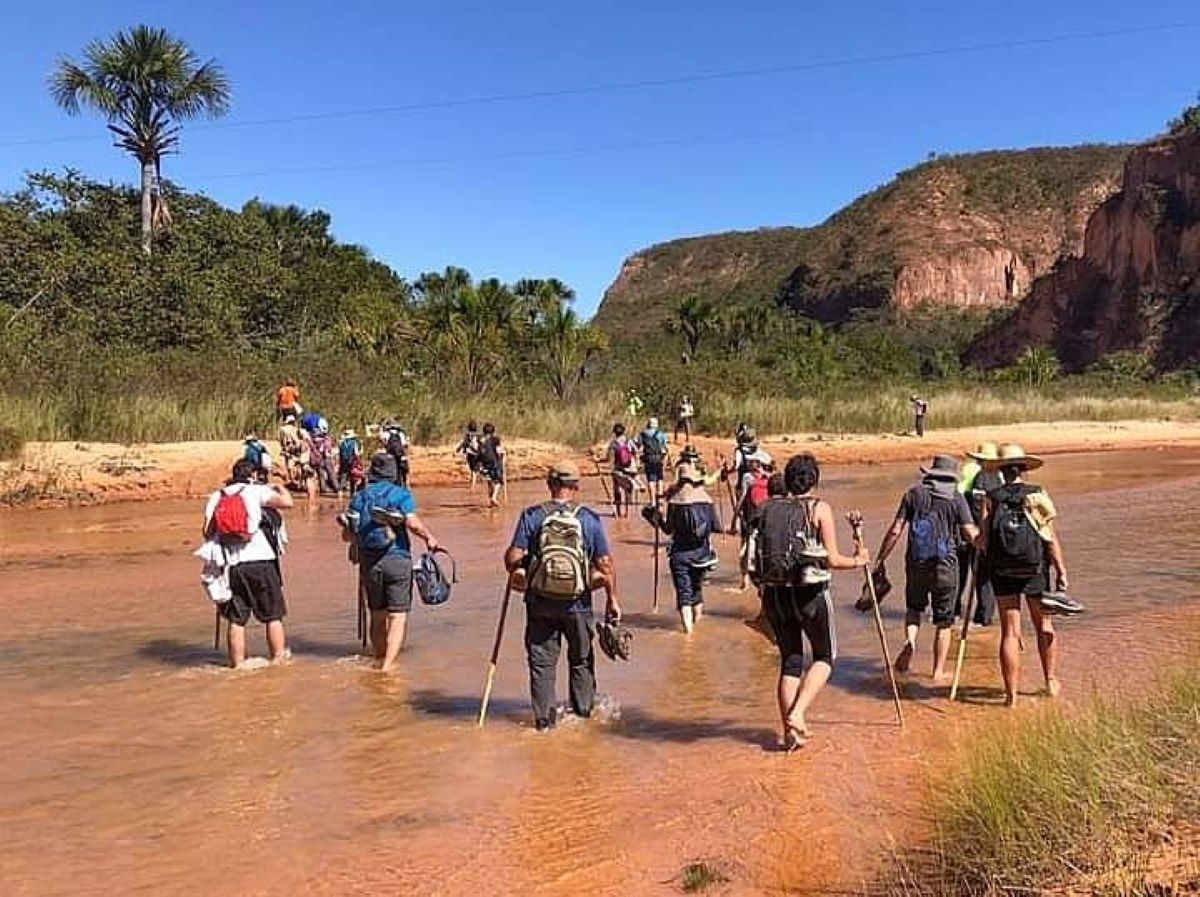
x,y
1136,283
961,230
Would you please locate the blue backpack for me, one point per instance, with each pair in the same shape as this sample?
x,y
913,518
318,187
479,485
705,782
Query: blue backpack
x,y
371,534
928,539
254,453
348,448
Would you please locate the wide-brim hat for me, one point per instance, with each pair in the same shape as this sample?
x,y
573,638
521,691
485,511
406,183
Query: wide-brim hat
x,y
944,467
985,451
1012,455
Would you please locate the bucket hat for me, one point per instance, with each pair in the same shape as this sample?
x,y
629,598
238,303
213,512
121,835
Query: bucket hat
x,y
1012,455
944,467
383,467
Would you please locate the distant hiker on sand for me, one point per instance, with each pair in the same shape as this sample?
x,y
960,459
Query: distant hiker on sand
x,y
1018,539
491,463
919,409
683,419
652,447
239,520
975,483
634,404
469,449
621,453
796,547
936,516
378,523
287,400
690,521
558,556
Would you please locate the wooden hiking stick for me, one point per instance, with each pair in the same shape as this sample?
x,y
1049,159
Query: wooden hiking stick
x,y
657,531
855,519
217,633
968,609
491,670
604,483
364,618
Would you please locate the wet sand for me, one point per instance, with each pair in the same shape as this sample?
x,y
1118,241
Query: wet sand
x,y
58,473
134,763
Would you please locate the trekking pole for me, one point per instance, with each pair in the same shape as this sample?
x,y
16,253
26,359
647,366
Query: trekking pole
x,y
603,482
968,609
217,633
855,519
491,670
364,626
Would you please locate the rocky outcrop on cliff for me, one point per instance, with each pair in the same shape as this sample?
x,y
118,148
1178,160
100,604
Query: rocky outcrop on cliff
x,y
1136,283
971,230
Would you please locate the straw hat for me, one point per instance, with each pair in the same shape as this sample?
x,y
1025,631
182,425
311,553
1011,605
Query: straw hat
x,y
985,451
349,433
691,488
1012,455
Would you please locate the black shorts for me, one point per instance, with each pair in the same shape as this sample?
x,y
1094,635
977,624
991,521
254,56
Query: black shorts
x,y
257,589
654,470
473,463
935,584
798,612
388,583
1008,586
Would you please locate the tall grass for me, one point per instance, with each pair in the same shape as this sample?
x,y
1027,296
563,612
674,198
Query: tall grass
x,y
159,415
1061,800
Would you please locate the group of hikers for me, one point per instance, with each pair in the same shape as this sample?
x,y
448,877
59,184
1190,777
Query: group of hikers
x,y
980,541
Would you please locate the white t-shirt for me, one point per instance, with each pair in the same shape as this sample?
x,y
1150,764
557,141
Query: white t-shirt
x,y
255,495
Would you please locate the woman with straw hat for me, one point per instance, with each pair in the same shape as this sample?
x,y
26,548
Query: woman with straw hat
x,y
1018,535
690,521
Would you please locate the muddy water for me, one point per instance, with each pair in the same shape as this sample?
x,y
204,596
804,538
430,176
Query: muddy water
x,y
133,763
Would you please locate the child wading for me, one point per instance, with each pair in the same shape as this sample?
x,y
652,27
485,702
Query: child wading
x,y
690,521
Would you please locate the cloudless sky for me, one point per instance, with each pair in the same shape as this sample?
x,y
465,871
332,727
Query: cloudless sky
x,y
570,185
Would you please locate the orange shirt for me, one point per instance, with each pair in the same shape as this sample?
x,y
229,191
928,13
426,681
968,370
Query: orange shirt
x,y
288,396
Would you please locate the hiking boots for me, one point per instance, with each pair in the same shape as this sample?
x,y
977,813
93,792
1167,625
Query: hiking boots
x,y
1060,604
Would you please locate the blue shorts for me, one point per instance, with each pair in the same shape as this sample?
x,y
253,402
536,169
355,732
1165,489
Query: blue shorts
x,y
654,471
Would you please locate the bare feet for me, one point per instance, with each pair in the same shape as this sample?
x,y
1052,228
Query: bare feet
x,y
794,737
941,677
904,658
1053,687
1010,700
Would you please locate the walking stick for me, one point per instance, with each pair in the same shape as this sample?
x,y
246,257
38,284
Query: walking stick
x,y
217,633
968,609
604,483
657,532
491,670
364,625
855,519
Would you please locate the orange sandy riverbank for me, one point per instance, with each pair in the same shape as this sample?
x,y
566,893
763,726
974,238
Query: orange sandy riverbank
x,y
55,473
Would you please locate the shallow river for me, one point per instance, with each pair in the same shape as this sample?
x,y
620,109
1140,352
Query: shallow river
x,y
132,762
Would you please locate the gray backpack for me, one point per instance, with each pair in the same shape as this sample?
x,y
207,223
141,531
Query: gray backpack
x,y
560,562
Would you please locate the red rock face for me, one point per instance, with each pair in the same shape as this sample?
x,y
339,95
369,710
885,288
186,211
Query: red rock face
x,y
1136,285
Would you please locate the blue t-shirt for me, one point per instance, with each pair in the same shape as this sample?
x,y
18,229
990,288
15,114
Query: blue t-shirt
x,y
372,536
653,444
595,544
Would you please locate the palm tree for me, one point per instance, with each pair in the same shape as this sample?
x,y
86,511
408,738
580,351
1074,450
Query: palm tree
x,y
144,81
694,319
565,346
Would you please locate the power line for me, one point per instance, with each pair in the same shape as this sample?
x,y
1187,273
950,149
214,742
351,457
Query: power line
x,y
649,83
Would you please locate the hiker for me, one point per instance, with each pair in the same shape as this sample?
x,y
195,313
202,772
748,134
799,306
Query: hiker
x,y
919,409
975,483
753,493
350,467
683,419
239,518
310,422
796,546
256,453
558,556
691,455
1019,538
287,400
491,463
322,459
291,447
621,453
634,404
652,447
738,465
690,521
936,517
469,449
395,443
384,554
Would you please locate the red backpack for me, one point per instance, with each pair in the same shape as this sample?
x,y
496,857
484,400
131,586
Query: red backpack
x,y
230,521
757,493
623,455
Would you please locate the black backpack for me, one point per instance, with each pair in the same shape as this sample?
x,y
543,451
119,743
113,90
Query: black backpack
x,y
1014,547
785,530
487,452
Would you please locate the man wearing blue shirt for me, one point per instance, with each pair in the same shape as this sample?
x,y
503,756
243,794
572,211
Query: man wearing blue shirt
x,y
550,619
385,554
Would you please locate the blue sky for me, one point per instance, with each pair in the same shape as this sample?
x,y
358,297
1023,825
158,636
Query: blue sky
x,y
569,185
